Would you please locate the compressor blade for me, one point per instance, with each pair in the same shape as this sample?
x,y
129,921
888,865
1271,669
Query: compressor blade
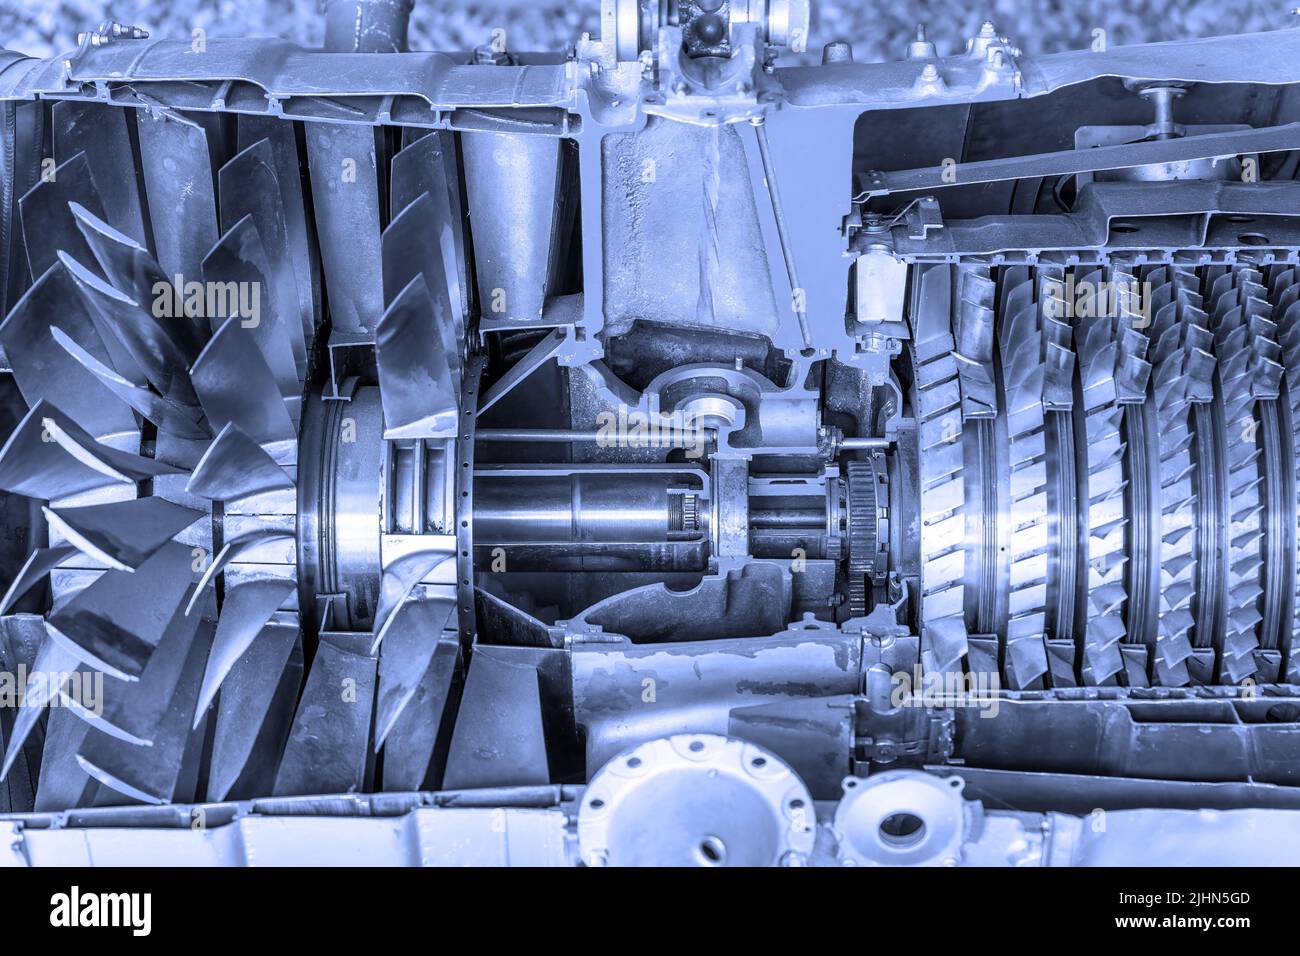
x,y
415,637
48,456
235,385
250,190
48,225
244,613
122,534
103,134
235,466
248,703
117,621
416,368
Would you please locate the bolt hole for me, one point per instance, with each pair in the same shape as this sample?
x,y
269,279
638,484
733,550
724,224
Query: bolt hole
x,y
696,746
1123,227
596,804
634,762
758,762
713,851
902,830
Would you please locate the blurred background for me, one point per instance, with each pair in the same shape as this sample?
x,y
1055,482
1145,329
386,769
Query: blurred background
x,y
879,30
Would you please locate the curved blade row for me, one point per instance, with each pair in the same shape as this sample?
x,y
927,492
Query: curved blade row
x,y
208,339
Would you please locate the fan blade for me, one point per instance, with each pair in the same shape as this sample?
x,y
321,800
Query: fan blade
x,y
235,385
251,191
415,635
345,195
134,710
327,750
411,248
416,383
244,613
117,621
246,703
235,466
44,370
231,551
238,266
48,226
38,564
49,457
53,666
103,133
21,637
177,166
430,165
122,534
150,774
166,414
63,784
413,736
400,577
301,245
140,299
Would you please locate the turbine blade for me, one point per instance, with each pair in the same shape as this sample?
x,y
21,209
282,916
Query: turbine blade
x,y
45,371
257,774
512,181
134,710
415,637
235,466
139,300
38,564
234,385
327,750
247,701
302,249
48,457
399,578
122,534
498,740
237,268
63,784
416,371
52,667
413,245
179,185
231,551
117,621
245,611
430,165
182,421
413,736
250,190
103,133
149,774
48,226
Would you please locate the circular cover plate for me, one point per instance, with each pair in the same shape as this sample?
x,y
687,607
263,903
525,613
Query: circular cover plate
x,y
696,800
